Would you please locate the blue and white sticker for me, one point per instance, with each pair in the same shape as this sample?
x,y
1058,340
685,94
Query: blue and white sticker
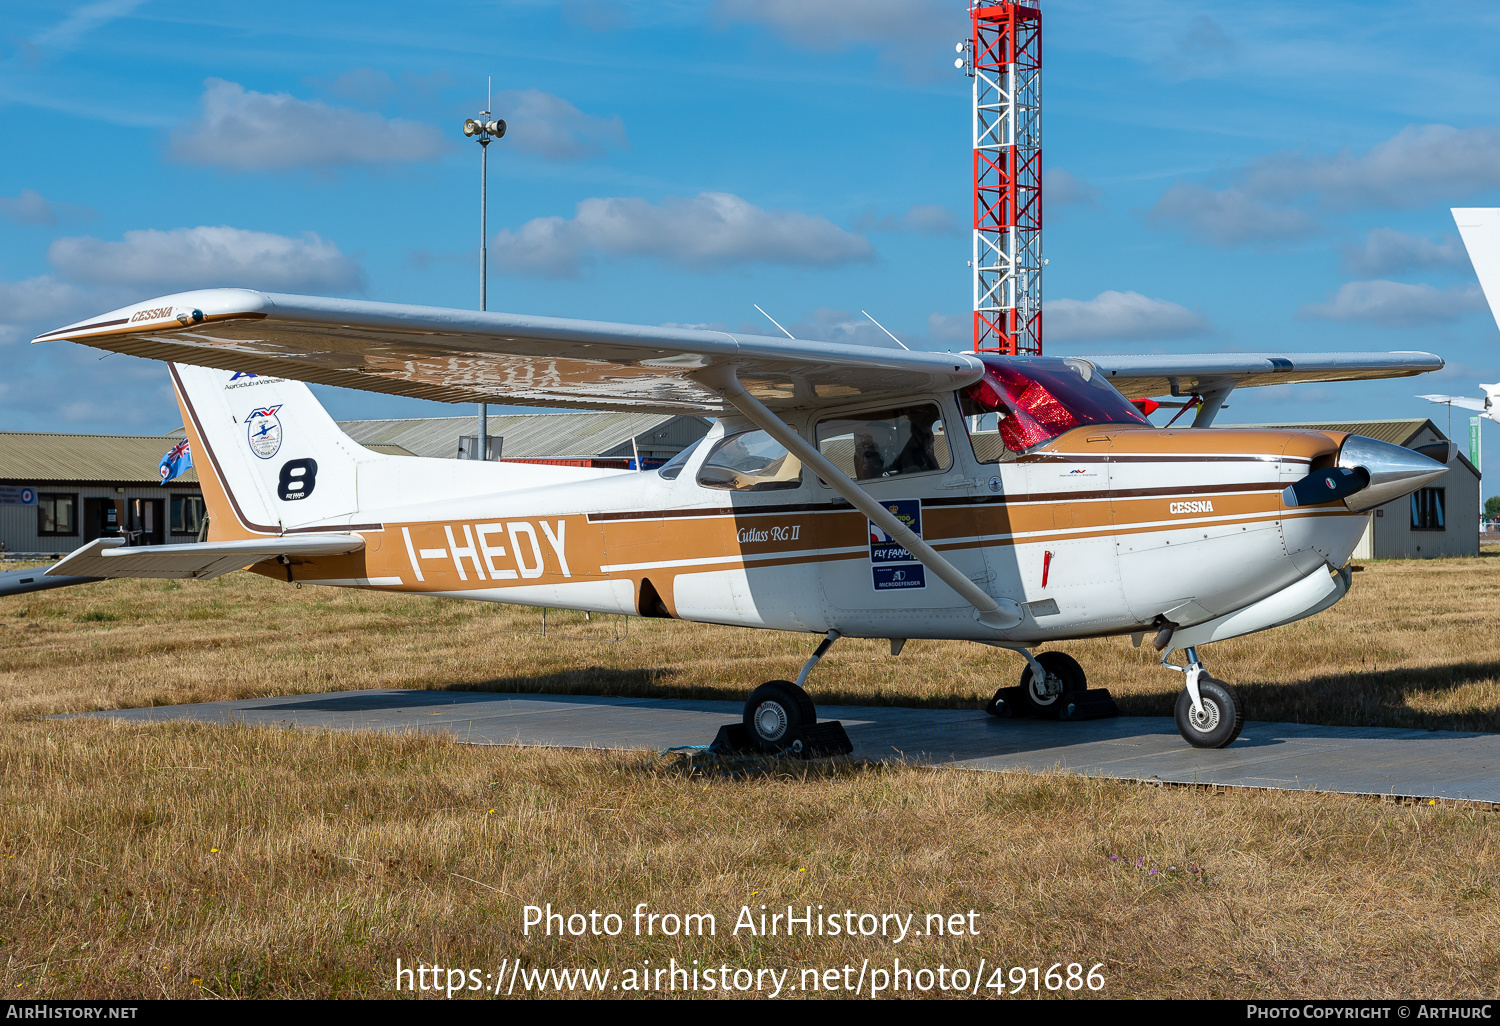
x,y
263,429
891,565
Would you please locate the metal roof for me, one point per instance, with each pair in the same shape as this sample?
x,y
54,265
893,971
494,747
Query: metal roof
x,y
29,456
526,435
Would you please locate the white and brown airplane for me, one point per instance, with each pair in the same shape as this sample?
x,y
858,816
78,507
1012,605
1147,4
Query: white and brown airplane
x,y
843,491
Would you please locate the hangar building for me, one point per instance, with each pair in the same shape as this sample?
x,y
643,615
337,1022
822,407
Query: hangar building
x,y
57,491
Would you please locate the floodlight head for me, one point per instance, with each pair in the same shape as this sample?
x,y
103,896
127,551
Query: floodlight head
x,y
496,128
472,127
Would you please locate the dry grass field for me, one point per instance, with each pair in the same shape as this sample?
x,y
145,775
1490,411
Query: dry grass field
x,y
185,860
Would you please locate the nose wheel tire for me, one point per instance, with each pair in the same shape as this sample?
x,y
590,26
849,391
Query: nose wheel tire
x,y
777,713
1221,719
1066,669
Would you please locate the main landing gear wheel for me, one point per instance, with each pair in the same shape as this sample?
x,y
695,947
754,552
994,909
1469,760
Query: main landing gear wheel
x,y
1066,669
1221,719
777,714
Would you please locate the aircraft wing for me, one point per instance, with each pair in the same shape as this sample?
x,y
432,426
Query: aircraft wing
x,y
1141,377
1461,401
469,356
108,557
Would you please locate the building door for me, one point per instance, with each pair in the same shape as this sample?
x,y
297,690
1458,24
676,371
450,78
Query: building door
x,y
100,517
144,522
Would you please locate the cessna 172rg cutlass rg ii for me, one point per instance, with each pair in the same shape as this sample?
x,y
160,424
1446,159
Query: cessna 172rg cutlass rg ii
x,y
843,491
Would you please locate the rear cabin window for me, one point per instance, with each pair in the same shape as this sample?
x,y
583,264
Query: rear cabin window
x,y
750,461
673,466
1023,402
886,443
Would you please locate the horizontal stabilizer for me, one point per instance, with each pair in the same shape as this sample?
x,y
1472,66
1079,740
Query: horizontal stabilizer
x,y
1463,402
108,557
22,582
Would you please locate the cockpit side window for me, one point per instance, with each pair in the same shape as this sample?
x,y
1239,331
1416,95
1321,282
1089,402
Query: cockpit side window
x,y
1021,403
886,443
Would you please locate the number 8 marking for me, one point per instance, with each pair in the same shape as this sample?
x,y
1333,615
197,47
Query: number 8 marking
x,y
297,479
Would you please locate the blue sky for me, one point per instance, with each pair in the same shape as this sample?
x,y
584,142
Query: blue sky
x,y
1220,177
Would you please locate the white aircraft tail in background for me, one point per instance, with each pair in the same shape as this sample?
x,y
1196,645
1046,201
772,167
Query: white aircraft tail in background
x,y
1480,228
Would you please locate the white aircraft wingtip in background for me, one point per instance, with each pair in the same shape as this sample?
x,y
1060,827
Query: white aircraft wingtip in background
x,y
1480,229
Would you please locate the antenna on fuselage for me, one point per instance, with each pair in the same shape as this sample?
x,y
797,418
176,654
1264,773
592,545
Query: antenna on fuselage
x,y
774,321
883,328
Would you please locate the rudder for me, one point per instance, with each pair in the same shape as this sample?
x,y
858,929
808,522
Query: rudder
x,y
269,457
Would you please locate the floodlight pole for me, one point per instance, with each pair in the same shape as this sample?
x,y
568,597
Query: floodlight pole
x,y
481,439
483,130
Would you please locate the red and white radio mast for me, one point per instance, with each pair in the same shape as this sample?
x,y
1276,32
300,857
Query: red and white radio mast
x,y
1005,62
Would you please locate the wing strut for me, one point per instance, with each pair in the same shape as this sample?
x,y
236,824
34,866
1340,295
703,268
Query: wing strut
x,y
999,615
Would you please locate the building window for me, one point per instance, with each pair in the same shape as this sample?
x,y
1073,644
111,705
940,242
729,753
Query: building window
x,y
1427,510
187,513
56,514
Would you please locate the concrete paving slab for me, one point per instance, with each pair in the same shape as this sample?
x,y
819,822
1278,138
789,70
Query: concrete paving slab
x,y
1353,760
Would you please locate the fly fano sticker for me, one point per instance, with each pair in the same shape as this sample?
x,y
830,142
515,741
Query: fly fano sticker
x,y
1200,506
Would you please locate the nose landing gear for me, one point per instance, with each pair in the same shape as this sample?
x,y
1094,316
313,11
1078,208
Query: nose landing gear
x,y
1209,713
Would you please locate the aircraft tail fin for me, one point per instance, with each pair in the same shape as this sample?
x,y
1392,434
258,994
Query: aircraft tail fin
x,y
269,457
1480,229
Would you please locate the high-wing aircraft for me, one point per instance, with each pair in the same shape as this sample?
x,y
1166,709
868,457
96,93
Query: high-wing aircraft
x,y
844,491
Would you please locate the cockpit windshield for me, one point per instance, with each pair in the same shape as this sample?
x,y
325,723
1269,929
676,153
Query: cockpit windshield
x,y
1030,400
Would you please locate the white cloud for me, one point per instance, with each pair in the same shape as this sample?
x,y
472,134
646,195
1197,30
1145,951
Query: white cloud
x,y
551,127
920,219
86,18
38,298
1202,49
710,230
250,131
1062,189
947,329
1395,304
44,299
846,327
31,207
597,15
1229,217
186,258
1120,315
1268,199
1421,164
917,34
1387,251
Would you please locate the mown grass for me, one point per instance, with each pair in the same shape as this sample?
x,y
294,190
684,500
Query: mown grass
x,y
184,860
340,852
